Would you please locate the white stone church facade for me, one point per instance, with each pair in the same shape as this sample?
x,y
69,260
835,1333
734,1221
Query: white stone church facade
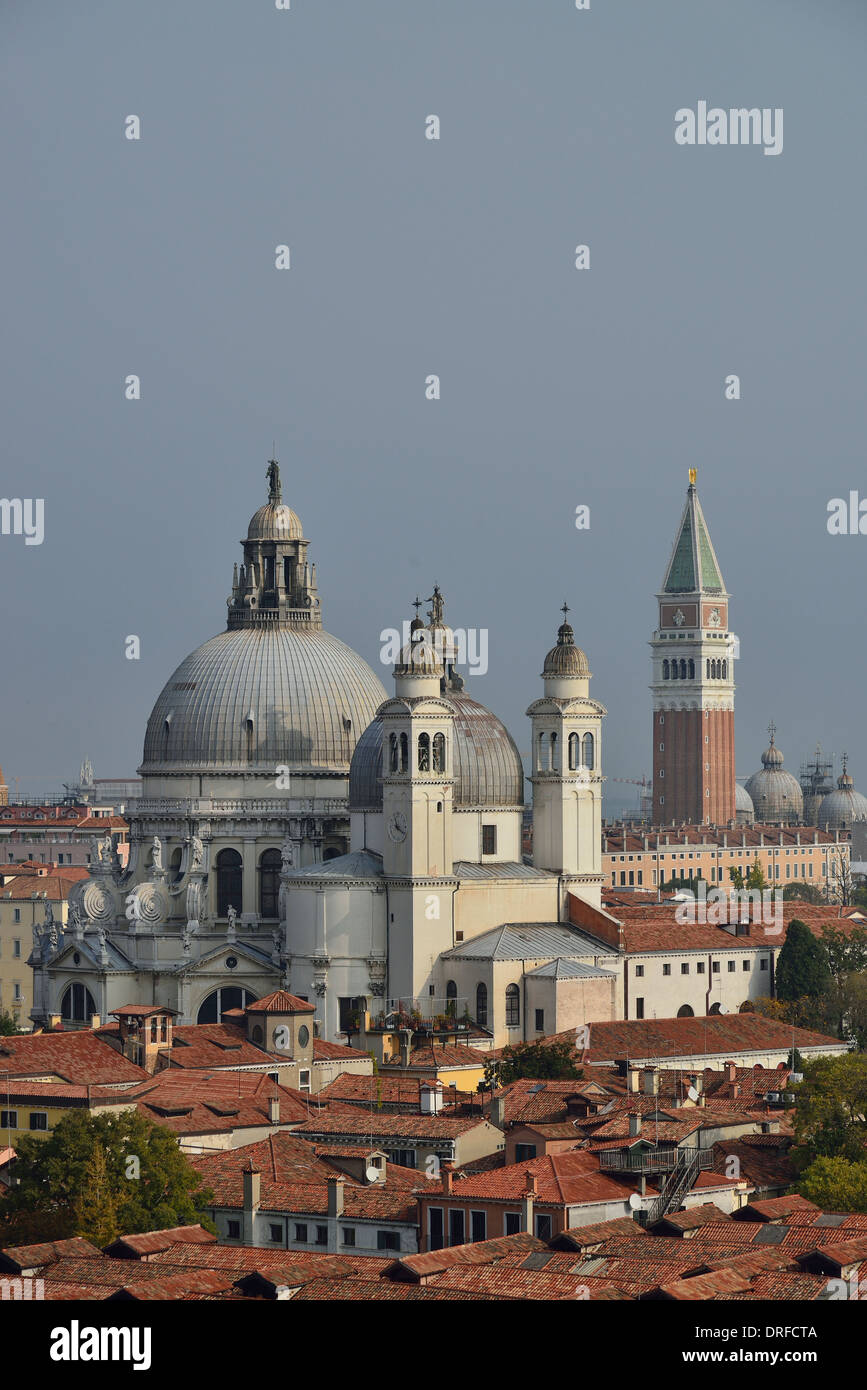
x,y
300,828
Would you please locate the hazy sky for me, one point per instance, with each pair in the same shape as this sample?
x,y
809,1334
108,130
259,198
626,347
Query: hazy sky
x,y
410,257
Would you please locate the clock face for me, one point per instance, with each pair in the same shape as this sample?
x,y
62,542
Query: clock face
x,y
679,618
397,827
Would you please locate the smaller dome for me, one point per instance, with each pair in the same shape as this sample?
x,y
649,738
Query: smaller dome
x,y
566,659
274,522
419,657
745,812
844,806
772,757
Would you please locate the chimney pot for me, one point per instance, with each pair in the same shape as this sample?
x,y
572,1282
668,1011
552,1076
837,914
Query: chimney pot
x,y
634,1125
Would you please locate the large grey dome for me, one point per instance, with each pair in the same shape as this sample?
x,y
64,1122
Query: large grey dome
x,y
255,698
776,795
487,765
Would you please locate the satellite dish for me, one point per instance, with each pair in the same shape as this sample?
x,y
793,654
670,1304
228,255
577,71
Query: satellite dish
x,y
635,1201
692,1093
372,1174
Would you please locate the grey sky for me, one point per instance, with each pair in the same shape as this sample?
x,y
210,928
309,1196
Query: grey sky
x,y
412,257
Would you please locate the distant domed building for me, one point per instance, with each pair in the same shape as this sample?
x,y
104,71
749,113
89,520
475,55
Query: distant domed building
x,y
245,774
843,808
775,794
745,812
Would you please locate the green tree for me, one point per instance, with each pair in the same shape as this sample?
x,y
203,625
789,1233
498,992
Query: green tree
x,y
736,876
802,967
152,1181
756,877
536,1060
831,1110
847,959
95,1204
8,1024
835,1184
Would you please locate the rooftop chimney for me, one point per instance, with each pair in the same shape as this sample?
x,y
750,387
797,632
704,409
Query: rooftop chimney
x,y
731,1071
651,1081
335,1196
498,1112
252,1184
448,1174
531,1184
274,1110
633,1080
634,1125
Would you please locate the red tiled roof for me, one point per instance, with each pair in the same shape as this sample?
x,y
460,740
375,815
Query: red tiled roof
x,y
565,1179
280,1002
149,1242
481,1252
47,1252
80,1056
55,887
721,1034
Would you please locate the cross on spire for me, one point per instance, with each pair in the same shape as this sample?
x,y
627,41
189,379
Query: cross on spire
x,y
772,729
416,604
564,610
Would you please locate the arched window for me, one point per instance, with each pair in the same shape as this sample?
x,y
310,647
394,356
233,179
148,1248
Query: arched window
x,y
685,1011
269,883
482,1005
219,1003
451,999
708,668
175,863
554,762
439,752
330,853
513,1006
424,752
540,754
725,670
392,752
714,1009
230,880
256,1036
589,752
682,669
574,751
404,753
674,670
77,1005
665,669
691,669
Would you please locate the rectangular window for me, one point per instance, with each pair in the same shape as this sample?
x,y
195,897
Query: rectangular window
x,y
513,1223
387,1240
8,1119
304,1080
478,1226
763,964
16,996
275,1232
301,1233
457,1226
640,877
524,1152
639,971
18,914
540,1020
435,1228
321,1235
731,965
639,1008
489,839
347,1235
543,1226
233,1230
699,967
404,1158
38,1119
715,968
666,970
746,965
684,969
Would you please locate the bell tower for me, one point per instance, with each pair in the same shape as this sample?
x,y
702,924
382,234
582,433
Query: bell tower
x,y
693,682
567,769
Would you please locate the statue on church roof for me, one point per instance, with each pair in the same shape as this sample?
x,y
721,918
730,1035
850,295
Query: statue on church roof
x,y
272,473
435,612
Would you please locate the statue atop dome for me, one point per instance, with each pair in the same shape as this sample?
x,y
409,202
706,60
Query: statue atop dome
x,y
275,491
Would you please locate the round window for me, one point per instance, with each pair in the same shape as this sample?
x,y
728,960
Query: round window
x,y
76,959
231,962
303,1035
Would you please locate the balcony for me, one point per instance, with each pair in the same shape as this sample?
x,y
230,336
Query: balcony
x,y
662,1160
435,1016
